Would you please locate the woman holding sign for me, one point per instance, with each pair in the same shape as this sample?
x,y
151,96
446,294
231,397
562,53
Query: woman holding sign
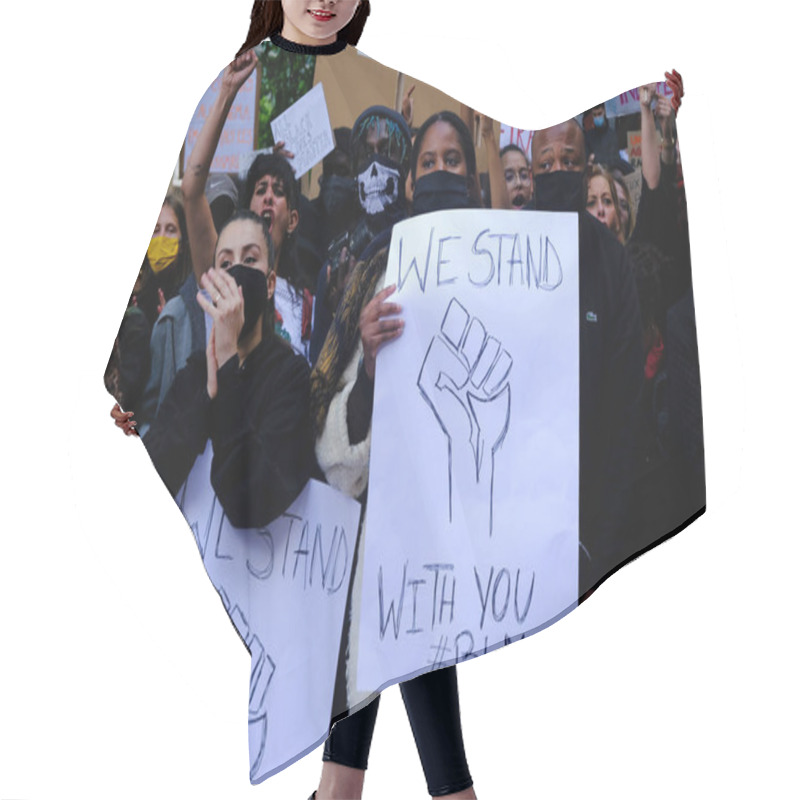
x,y
444,176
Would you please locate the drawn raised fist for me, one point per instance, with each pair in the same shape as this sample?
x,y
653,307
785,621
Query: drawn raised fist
x,y
464,380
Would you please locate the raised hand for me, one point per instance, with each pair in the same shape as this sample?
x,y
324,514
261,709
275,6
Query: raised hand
x,y
376,329
675,83
464,380
226,308
646,95
664,108
238,71
124,420
280,149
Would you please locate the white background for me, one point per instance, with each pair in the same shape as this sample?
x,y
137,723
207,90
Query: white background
x,y
120,674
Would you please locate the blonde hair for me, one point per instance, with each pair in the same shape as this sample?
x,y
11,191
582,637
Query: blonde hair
x,y
596,171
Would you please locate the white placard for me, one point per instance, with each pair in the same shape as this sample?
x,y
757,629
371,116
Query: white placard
x,y
236,138
285,588
305,128
472,518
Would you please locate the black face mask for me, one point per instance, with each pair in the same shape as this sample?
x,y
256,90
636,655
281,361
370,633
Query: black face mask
x,y
440,190
559,191
254,288
339,195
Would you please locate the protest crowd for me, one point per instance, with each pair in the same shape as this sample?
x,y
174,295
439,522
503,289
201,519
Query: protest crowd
x,y
330,251
257,315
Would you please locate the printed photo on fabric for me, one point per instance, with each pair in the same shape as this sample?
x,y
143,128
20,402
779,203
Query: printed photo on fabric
x,y
528,422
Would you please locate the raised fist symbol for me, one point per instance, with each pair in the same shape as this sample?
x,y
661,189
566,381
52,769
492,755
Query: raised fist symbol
x,y
464,380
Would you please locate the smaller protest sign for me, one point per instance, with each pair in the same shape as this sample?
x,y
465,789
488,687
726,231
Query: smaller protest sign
x,y
635,148
284,587
633,183
518,136
305,128
237,135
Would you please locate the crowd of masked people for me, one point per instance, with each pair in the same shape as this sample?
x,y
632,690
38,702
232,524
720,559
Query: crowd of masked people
x,y
256,316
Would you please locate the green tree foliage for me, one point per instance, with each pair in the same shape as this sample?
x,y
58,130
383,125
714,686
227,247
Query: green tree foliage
x,y
285,78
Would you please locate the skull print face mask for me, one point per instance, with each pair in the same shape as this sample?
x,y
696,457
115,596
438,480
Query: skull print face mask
x,y
381,149
378,185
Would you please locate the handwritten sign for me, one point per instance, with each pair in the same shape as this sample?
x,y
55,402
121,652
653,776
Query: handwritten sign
x,y
237,134
471,536
306,129
628,102
635,148
633,182
519,136
284,587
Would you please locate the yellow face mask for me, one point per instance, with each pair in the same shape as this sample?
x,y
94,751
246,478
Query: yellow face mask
x,y
162,252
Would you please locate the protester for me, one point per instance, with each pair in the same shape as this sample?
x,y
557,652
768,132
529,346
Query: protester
x,y
601,137
518,176
167,262
247,393
659,220
165,267
337,203
445,154
601,200
380,146
181,328
273,194
610,356
444,175
270,190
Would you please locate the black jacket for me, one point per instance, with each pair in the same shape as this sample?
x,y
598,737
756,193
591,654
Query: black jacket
x,y
259,426
659,222
611,379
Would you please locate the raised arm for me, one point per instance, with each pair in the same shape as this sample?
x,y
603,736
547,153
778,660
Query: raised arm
x,y
199,222
651,158
665,111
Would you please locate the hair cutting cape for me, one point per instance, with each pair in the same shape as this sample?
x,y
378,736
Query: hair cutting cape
x,y
536,426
